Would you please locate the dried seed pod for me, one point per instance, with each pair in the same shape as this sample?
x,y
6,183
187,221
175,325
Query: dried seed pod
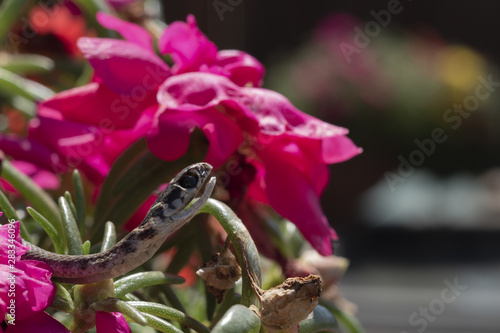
x,y
220,273
283,307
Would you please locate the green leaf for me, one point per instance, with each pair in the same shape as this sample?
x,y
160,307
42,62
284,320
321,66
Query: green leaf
x,y
238,319
57,240
68,198
11,214
109,239
62,300
10,12
27,63
320,321
24,105
144,279
40,200
80,205
74,241
169,313
246,251
135,175
160,324
86,247
350,322
13,84
172,298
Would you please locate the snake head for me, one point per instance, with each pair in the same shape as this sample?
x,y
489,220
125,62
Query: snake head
x,y
181,191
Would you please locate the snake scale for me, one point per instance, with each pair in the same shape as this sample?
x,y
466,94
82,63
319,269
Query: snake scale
x,y
166,215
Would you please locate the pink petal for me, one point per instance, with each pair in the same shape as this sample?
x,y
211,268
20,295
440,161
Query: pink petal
x,y
117,141
339,149
131,32
292,194
194,91
187,45
124,67
79,145
113,322
239,67
94,104
43,178
40,323
31,151
277,116
34,291
176,126
9,236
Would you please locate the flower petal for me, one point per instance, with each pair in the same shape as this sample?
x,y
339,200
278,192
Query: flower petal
x,y
94,104
79,145
293,196
187,45
34,291
40,323
131,32
113,322
31,151
239,67
170,138
124,67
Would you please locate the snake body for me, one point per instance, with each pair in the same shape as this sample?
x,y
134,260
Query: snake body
x,y
165,216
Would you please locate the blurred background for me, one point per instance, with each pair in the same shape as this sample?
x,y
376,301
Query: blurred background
x,y
421,205
417,83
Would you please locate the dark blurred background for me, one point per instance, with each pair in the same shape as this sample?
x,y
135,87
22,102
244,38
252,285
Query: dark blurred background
x,y
404,233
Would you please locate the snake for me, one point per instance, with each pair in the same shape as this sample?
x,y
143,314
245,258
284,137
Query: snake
x,y
166,215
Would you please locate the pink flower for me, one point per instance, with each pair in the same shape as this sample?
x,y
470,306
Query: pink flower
x,y
289,149
192,52
26,289
40,323
135,94
111,322
90,126
33,159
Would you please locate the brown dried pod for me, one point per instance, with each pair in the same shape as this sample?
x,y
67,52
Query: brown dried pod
x,y
283,307
220,273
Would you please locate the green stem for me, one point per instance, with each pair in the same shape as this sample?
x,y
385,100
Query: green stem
x,y
169,313
160,324
247,253
145,279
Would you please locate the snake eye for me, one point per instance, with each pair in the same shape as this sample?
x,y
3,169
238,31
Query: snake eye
x,y
188,181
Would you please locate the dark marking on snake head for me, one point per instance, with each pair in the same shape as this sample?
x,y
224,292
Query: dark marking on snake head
x,y
175,194
188,181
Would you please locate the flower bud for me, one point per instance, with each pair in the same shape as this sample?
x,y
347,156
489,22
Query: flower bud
x,y
220,274
283,307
